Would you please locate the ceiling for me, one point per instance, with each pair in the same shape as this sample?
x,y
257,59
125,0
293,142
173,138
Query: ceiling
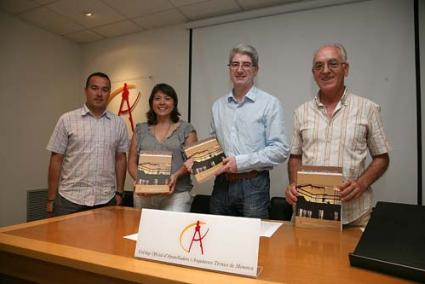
x,y
113,18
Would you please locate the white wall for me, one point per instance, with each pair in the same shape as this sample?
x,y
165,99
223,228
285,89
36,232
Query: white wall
x,y
40,79
143,59
379,37
43,75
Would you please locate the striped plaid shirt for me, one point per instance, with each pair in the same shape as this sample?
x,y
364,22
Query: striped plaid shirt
x,y
89,145
342,141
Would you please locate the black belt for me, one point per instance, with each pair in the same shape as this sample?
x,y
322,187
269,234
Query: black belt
x,y
234,177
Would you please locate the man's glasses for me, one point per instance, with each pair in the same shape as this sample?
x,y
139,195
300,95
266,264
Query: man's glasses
x,y
332,65
244,65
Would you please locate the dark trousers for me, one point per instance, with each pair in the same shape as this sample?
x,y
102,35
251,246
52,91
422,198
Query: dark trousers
x,y
62,206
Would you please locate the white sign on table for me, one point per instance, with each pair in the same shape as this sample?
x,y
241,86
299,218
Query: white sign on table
x,y
228,244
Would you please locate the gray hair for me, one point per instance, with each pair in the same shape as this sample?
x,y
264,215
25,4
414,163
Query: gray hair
x,y
244,49
338,46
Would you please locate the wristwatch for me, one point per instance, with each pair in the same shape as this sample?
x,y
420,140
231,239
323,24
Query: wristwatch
x,y
120,193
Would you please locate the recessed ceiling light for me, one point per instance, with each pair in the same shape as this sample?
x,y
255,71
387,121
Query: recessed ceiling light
x,y
88,14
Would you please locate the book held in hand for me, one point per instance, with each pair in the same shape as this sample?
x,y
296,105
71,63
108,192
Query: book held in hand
x,y
153,172
318,202
207,158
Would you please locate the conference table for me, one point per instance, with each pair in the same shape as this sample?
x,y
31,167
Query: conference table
x,y
88,247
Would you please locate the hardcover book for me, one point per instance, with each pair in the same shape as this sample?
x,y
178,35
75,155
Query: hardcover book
x,y
153,172
318,202
207,158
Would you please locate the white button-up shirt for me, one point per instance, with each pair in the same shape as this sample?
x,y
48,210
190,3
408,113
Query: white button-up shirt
x,y
341,141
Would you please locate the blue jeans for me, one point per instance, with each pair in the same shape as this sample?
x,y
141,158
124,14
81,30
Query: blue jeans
x,y
178,201
247,197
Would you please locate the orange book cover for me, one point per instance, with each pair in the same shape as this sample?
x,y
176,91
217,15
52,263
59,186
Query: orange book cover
x,y
207,158
318,202
153,172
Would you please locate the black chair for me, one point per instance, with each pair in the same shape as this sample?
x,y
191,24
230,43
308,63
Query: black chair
x,y
201,204
280,209
127,198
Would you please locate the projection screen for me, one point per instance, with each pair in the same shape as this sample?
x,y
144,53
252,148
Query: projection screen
x,y
379,38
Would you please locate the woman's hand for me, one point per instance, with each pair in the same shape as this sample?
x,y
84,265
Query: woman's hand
x,y
172,183
188,164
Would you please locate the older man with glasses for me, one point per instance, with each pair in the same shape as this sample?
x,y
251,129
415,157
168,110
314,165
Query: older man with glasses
x,y
338,128
249,125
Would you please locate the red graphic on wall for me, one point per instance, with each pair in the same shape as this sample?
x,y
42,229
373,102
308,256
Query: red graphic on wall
x,y
196,237
127,108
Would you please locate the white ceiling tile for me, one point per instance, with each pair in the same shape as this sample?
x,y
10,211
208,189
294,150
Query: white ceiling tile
x,y
117,17
254,4
75,9
137,8
179,3
117,29
17,6
84,36
209,8
170,17
50,20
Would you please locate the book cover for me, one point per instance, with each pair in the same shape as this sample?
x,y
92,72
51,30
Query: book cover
x,y
207,158
153,172
318,202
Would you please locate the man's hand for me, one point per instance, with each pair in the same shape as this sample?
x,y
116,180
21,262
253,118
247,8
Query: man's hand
x,y
229,166
49,208
118,200
291,194
352,189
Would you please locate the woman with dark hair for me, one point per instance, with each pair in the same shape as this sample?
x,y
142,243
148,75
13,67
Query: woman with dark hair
x,y
164,131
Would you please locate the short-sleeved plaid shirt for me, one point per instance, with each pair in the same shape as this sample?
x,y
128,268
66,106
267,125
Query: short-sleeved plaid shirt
x,y
89,146
342,141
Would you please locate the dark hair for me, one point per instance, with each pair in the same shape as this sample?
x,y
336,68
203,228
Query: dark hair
x,y
97,74
169,91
